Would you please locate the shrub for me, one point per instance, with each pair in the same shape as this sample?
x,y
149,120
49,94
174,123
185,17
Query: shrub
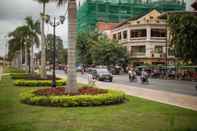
x,y
14,70
111,97
19,75
37,83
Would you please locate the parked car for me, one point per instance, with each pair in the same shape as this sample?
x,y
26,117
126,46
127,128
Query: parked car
x,y
102,74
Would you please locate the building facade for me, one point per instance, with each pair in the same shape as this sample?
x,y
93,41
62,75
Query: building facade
x,y
146,40
90,12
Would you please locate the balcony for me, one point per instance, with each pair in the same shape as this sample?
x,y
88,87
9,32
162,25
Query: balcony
x,y
138,54
158,38
138,38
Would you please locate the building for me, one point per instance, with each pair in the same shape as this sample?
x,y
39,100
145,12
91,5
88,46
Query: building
x,y
90,12
146,39
194,5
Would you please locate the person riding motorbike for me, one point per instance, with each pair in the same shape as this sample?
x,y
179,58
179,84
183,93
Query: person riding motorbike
x,y
132,75
144,77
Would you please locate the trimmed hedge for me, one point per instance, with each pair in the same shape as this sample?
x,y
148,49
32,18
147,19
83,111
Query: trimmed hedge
x,y
19,75
37,83
109,98
14,70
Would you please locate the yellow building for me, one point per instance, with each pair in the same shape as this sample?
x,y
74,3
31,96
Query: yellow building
x,y
146,39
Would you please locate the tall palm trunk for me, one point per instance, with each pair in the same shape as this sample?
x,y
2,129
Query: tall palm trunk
x,y
72,81
32,59
26,58
43,46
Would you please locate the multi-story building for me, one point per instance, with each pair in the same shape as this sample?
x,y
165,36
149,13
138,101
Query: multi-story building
x,y
90,12
146,39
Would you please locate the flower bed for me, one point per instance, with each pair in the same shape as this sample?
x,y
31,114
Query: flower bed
x,y
87,97
37,83
61,91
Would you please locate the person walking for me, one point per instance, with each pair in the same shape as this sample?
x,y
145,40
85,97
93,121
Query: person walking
x,y
91,80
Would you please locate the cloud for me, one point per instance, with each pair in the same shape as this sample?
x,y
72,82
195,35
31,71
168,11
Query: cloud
x,y
13,12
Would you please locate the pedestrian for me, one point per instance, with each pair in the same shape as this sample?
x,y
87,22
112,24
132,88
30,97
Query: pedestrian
x,y
91,80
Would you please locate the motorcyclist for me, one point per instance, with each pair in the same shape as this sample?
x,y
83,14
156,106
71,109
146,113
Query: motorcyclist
x,y
132,75
144,76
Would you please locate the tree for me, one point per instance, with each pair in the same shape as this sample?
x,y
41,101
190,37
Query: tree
x,y
85,41
23,38
108,52
34,31
43,46
60,51
183,29
17,42
72,80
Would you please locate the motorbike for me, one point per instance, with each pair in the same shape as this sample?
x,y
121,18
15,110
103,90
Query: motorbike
x,y
132,78
144,80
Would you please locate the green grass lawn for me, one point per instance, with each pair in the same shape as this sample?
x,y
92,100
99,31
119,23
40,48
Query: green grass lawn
x,y
134,115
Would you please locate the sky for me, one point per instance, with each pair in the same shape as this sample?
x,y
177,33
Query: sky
x,y
13,12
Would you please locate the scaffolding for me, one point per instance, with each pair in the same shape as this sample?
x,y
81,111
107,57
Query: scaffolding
x,y
114,11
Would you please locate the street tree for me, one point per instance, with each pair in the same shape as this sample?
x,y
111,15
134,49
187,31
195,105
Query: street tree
x,y
60,51
108,52
34,31
183,29
43,43
85,41
71,10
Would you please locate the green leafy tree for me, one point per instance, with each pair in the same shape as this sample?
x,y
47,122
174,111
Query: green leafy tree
x,y
33,39
183,29
108,52
60,51
85,41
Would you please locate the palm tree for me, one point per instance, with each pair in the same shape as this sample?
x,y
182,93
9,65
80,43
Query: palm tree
x,y
72,81
17,42
43,43
34,31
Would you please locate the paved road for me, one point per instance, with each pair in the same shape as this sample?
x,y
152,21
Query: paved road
x,y
179,93
181,87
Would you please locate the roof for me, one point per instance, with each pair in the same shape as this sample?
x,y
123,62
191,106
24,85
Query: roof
x,y
102,26
143,17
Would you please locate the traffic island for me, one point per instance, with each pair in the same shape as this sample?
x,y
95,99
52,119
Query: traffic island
x,y
87,96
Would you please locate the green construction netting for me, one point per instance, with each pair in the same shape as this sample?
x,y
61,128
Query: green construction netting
x,y
93,11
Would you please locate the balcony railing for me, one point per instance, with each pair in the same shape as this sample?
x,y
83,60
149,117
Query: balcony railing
x,y
138,54
138,38
158,38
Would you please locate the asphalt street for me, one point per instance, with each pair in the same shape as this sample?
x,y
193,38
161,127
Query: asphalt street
x,y
181,87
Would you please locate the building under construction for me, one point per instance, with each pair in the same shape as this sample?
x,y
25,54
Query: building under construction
x,y
115,11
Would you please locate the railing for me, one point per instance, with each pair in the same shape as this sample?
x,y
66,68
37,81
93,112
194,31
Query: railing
x,y
138,38
138,54
158,38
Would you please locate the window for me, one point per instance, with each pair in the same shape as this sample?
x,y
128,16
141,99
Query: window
x,y
114,36
119,36
158,49
138,33
138,50
171,52
125,35
158,33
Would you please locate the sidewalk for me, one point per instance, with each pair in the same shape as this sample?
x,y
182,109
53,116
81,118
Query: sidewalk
x,y
184,101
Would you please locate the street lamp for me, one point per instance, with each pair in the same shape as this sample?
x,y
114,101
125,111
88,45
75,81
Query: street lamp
x,y
54,22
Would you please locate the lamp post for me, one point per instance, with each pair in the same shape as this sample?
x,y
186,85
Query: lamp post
x,y
54,23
